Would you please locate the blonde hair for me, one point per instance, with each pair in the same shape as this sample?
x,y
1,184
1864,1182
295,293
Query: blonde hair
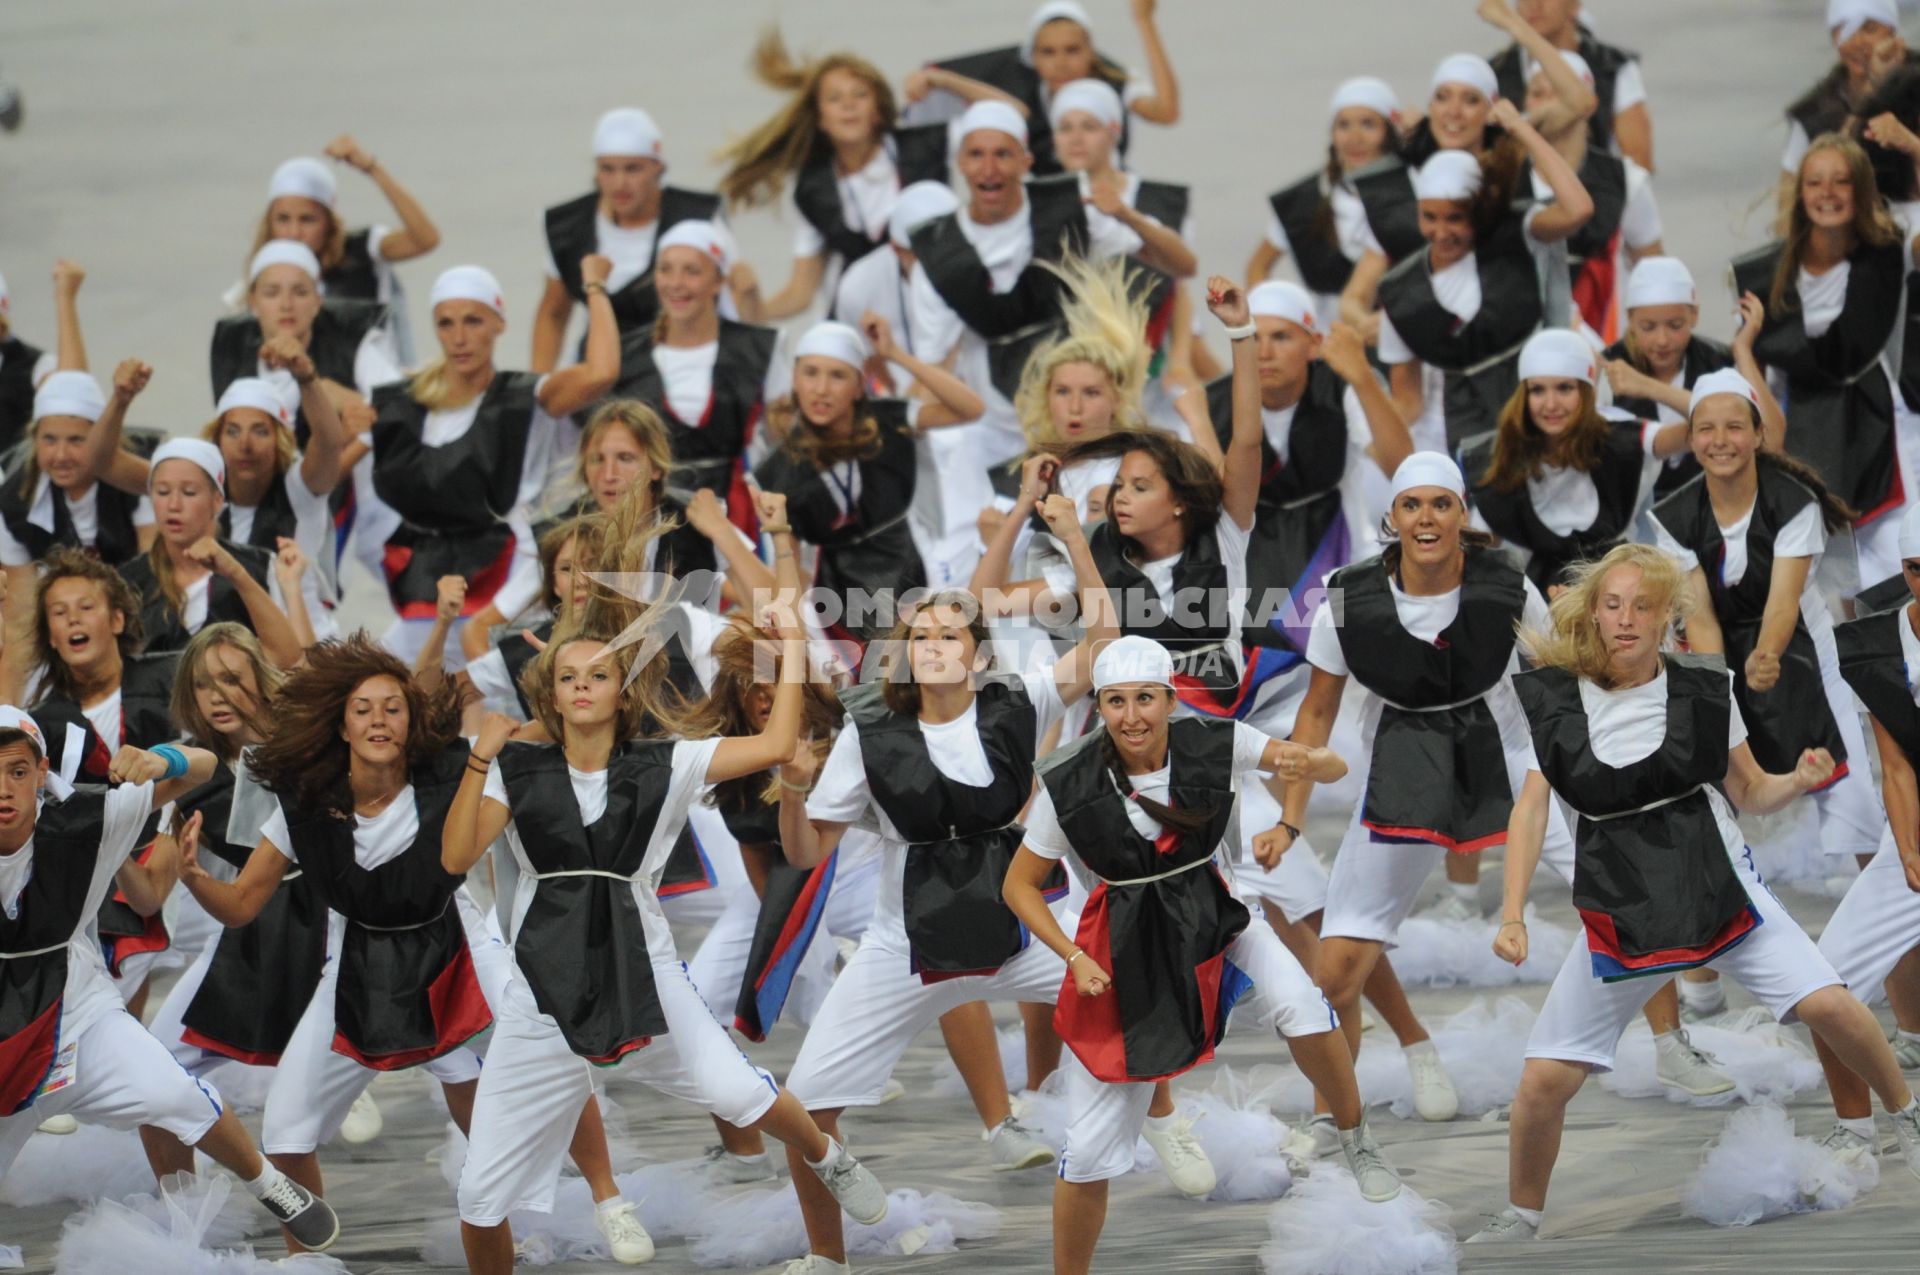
x,y
759,163
330,252
432,387
1573,641
185,706
1106,326
647,429
284,452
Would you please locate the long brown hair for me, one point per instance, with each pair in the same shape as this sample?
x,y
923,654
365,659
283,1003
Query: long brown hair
x,y
892,657
807,442
1188,823
185,705
304,761
759,164
68,563
1521,449
1572,640
1191,476
1835,513
1872,227
330,252
737,670
647,429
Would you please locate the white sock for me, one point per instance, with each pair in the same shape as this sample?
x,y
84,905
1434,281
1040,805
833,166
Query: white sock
x,y
1862,1126
1532,1216
1467,892
1161,1122
611,1203
269,1179
1418,1047
1699,993
833,1153
1908,1109
760,1158
1673,1035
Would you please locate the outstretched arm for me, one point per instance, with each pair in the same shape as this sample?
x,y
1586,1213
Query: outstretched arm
x,y
417,235
1162,106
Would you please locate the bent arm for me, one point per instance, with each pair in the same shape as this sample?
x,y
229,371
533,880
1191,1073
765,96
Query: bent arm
x,y
578,386
235,903
1023,894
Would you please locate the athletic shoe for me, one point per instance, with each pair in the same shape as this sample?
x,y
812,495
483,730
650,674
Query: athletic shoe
x,y
1014,1146
628,1240
309,1219
1905,1052
727,1169
860,1194
1507,1227
814,1264
364,1121
1433,1095
1710,1000
1314,1138
1451,907
1182,1156
59,1125
1906,1127
1378,1181
1681,1066
892,1091
1846,1145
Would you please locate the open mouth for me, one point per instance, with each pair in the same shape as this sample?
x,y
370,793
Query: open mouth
x,y
1136,738
1426,539
77,642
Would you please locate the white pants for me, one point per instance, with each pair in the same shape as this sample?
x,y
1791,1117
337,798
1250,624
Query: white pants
x,y
169,1020
1104,1119
1875,925
1298,883
1583,1018
123,1079
878,1005
534,1086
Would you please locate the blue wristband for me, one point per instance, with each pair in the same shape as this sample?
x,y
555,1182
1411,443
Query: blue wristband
x,y
175,759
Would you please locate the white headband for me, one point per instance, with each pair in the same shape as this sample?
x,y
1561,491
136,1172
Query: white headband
x,y
919,204
626,130
1726,381
704,237
1370,91
1469,69
1132,659
1846,17
194,451
1451,175
284,252
1428,469
833,341
1095,97
251,391
468,283
1278,299
1053,11
989,115
307,178
1581,69
1910,533
1661,281
69,394
1557,353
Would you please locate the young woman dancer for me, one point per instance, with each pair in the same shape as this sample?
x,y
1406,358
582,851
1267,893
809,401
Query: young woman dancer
x,y
1650,752
1621,123
1653,366
1162,951
1868,47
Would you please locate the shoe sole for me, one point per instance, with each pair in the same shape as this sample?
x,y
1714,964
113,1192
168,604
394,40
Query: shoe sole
x,y
328,1243
1729,1087
875,1220
1032,1160
1194,1195
1381,1199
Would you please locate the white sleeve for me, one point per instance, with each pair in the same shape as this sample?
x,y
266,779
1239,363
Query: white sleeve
x,y
521,588
375,234
122,819
937,329
12,552
1803,536
779,378
46,365
374,362
1112,237
274,832
807,242
1135,89
1736,724
1797,143
840,793
1277,236
1664,541
1533,612
692,758
1045,837
1249,747
1640,221
1392,349
307,504
1323,643
496,788
1048,709
143,513
489,676
1629,88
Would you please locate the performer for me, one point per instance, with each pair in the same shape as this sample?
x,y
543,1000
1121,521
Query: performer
x,y
1622,123
25,367
1867,41
1650,750
1653,366
1162,952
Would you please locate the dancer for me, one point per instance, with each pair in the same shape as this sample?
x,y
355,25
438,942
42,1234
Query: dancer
x,y
1621,123
303,204
1652,368
1867,41
1161,953
1642,746
24,367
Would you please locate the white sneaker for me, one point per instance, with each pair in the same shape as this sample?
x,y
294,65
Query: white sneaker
x,y
364,1121
1708,1001
626,1238
1314,1138
1378,1180
1433,1095
814,1264
892,1091
724,1168
1451,907
1905,1052
859,1193
1014,1146
1680,1066
59,1125
1181,1155
1506,1227
1846,1145
1906,1127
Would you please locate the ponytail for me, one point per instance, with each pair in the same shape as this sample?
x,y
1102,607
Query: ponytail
x,y
1187,823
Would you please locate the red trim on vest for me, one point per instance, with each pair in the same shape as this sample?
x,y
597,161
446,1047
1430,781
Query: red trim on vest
x,y
199,1040
1596,286
1602,936
1896,492
1439,838
1091,1026
459,1014
27,1056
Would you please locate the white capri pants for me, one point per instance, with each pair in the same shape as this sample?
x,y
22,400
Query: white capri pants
x,y
1875,925
534,1086
1583,1018
1104,1119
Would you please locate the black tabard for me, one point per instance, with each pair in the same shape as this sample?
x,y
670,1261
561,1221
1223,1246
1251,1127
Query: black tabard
x,y
1702,356
791,906
356,276
335,342
960,839
17,360
1873,662
1511,516
704,450
919,154
158,620
1200,657
1385,188
1163,940
273,517
453,500
573,234
1795,714
263,973
1605,177
1606,61
47,915
114,540
581,944
1481,356
1839,401
1438,772
1824,107
1303,212
1007,70
407,992
146,714
1885,596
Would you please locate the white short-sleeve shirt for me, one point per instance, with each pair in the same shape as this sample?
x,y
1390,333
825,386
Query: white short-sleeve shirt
x,y
866,203
83,511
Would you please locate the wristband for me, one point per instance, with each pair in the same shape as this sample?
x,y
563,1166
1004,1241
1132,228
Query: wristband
x,y
795,787
175,759
591,288
1291,830
1240,333
1505,924
1073,955
775,529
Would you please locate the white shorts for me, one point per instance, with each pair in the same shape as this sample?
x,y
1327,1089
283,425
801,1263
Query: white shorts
x,y
1583,1017
133,974
1851,819
1104,1120
878,1005
168,1021
123,1079
1298,883
533,1087
1875,925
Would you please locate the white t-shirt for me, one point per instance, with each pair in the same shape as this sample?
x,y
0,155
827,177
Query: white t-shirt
x,y
1349,231
629,248
1796,150
1639,218
1804,536
1455,287
866,203
841,794
1823,297
1565,499
106,720
1111,237
687,374
377,839
691,758
83,511
312,521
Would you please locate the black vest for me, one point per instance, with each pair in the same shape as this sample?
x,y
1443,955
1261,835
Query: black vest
x,y
273,517
919,154
1305,213
356,276
1873,662
146,718
163,626
1006,70
17,359
706,449
1385,188
1605,177
1890,593
1839,402
337,332
114,539
1702,356
1606,61
1511,515
1199,583
572,234
1824,108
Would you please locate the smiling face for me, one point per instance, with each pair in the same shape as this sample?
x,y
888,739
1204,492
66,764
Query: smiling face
x,y
1359,136
82,625
1136,716
1062,52
1284,350
300,219
226,692
1856,51
1447,226
825,389
1553,404
1631,622
185,501
627,183
21,775
1660,334
1428,521
466,331
375,722
586,684
847,106
688,282
1083,143
941,649
1826,190
59,445
1723,435
1141,502
993,165
1080,402
286,300
249,443
616,464
1458,115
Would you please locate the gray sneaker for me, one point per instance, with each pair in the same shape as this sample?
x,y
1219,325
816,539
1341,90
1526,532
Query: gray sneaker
x,y
1844,1144
859,1193
723,1168
1680,1066
1905,1052
309,1219
1506,1227
1906,1127
1378,1181
1014,1146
